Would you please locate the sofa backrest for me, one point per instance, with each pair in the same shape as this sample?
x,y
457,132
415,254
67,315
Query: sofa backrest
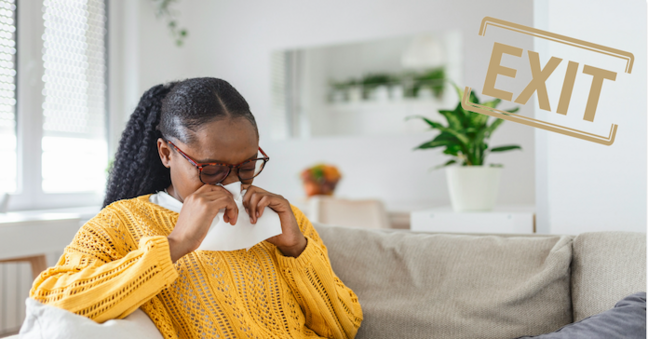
x,y
453,286
607,266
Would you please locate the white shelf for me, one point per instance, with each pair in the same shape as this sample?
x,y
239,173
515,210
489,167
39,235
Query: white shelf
x,y
511,219
385,104
377,118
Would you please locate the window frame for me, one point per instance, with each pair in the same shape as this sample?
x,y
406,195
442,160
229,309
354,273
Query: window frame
x,y
29,116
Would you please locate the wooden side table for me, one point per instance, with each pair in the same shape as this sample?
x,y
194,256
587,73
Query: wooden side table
x,y
38,263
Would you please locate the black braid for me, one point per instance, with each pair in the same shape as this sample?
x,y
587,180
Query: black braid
x,y
173,110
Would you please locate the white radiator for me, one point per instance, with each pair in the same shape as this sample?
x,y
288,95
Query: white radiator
x,y
24,234
15,282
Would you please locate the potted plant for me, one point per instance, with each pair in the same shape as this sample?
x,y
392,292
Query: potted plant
x,y
320,179
338,91
375,86
473,185
354,90
431,81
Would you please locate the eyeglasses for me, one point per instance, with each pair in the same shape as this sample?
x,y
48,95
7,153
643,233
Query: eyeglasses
x,y
214,173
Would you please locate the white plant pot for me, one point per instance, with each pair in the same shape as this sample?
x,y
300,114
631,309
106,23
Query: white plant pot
x,y
425,94
397,92
380,93
473,188
338,96
355,94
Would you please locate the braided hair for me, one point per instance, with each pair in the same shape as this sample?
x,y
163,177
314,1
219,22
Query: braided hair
x,y
172,110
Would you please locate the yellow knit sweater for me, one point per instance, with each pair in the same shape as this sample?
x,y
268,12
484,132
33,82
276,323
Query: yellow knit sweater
x,y
120,260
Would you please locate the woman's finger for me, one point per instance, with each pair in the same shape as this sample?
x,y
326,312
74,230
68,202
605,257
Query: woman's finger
x,y
231,210
213,191
246,200
263,202
254,202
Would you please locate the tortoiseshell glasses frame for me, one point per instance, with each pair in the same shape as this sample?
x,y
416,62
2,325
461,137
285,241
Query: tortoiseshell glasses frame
x,y
218,168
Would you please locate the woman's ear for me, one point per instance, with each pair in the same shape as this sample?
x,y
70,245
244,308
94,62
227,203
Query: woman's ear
x,y
165,152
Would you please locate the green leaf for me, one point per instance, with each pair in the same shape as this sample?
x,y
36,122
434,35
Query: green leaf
x,y
432,144
505,148
462,114
452,149
496,165
454,120
446,136
460,93
492,103
473,97
432,124
443,139
458,90
478,148
513,110
493,126
447,163
477,120
462,138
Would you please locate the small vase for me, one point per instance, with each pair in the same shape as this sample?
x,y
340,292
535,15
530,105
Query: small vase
x,y
425,93
380,93
397,92
338,96
355,94
473,188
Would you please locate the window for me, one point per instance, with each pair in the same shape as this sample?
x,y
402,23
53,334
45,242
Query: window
x,y
53,112
8,182
74,88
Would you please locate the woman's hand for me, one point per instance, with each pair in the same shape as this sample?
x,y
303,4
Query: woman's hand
x,y
198,211
291,242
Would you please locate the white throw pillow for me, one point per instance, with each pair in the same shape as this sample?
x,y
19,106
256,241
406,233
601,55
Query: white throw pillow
x,y
44,321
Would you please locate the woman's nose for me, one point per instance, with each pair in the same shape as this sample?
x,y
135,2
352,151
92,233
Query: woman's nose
x,y
231,177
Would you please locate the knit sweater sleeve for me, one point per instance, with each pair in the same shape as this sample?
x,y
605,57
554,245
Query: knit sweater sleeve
x,y
332,309
104,273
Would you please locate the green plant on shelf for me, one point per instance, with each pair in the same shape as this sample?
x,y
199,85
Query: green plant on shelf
x,y
467,134
411,82
433,79
372,81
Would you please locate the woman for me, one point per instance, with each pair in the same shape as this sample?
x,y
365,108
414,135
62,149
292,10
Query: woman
x,y
138,254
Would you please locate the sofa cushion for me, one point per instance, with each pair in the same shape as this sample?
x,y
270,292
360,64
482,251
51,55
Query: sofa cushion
x,y
453,286
627,320
607,266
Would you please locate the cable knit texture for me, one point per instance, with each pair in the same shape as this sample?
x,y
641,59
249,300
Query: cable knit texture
x,y
120,260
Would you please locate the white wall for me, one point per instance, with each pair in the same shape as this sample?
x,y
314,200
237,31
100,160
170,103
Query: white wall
x,y
233,40
582,186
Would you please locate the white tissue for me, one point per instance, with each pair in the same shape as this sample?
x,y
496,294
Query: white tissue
x,y
223,236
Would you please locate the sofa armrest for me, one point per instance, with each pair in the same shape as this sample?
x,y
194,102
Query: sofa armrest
x,y
606,267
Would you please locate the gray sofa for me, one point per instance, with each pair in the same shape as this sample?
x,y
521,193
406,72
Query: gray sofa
x,y
425,285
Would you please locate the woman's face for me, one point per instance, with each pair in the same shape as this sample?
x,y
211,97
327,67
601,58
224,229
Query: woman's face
x,y
228,140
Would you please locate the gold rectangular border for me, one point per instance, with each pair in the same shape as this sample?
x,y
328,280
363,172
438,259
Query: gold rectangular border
x,y
496,113
627,56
